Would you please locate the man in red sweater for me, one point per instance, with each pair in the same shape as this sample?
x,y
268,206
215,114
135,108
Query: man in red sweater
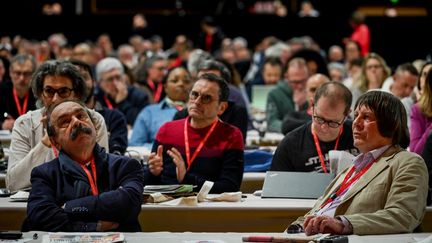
x,y
200,147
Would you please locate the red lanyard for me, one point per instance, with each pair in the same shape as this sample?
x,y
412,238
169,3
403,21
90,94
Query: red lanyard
x,y
347,182
208,42
157,90
23,109
318,147
93,183
158,93
201,144
108,102
55,151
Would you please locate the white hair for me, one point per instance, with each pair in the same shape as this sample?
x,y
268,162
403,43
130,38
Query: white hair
x,y
108,64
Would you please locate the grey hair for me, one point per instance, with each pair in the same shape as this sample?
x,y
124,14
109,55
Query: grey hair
x,y
340,67
276,50
58,68
240,41
196,57
22,58
108,64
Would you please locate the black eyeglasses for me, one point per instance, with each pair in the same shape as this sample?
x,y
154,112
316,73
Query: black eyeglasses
x,y
330,123
205,98
63,92
24,74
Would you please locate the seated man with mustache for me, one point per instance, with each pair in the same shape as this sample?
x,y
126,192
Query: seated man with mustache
x,y
85,188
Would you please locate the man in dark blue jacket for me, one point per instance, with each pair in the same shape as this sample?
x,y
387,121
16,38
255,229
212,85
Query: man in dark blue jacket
x,y
114,119
84,188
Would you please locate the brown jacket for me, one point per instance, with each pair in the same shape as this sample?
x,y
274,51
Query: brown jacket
x,y
389,198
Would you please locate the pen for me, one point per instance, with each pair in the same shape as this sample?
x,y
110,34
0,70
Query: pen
x,y
257,238
262,238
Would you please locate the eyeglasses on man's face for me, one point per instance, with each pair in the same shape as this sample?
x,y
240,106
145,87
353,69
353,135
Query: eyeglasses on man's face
x,y
330,123
24,74
63,92
205,98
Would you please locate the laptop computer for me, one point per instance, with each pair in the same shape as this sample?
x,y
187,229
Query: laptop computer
x,y
259,96
287,184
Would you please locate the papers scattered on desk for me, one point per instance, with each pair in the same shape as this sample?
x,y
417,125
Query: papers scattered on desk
x,y
168,189
225,197
20,196
83,237
202,196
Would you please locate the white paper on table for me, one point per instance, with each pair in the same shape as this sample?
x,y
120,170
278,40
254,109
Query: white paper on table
x,y
20,196
425,240
225,197
205,189
182,201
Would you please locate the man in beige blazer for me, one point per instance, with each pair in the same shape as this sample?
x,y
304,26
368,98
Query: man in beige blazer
x,y
385,191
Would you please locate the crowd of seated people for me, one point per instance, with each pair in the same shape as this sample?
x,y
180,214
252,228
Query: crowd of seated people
x,y
73,116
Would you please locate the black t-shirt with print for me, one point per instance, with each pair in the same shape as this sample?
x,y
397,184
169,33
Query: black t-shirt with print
x,y
297,151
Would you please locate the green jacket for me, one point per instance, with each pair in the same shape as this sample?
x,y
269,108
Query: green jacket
x,y
279,103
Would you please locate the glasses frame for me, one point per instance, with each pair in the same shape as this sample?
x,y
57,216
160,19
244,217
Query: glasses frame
x,y
204,98
331,124
24,74
57,91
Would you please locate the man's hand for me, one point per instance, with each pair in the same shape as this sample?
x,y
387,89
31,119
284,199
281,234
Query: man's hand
x,y
323,224
299,98
179,162
106,226
122,91
8,123
45,139
155,162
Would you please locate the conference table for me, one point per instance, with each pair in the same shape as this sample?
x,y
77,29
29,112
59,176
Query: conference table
x,y
189,237
252,181
252,214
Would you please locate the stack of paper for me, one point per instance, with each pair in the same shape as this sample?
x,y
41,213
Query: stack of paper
x,y
168,189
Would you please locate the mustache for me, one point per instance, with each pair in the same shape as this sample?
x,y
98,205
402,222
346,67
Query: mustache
x,y
79,129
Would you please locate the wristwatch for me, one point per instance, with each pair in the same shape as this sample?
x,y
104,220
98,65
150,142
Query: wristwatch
x,y
295,228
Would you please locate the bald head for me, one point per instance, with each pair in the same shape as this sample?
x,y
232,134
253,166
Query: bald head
x,y
313,83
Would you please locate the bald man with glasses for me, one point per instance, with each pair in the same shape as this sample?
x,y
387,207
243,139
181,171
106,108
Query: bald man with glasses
x,y
306,148
53,82
200,147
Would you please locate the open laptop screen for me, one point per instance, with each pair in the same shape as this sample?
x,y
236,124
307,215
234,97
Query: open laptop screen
x,y
259,96
286,184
